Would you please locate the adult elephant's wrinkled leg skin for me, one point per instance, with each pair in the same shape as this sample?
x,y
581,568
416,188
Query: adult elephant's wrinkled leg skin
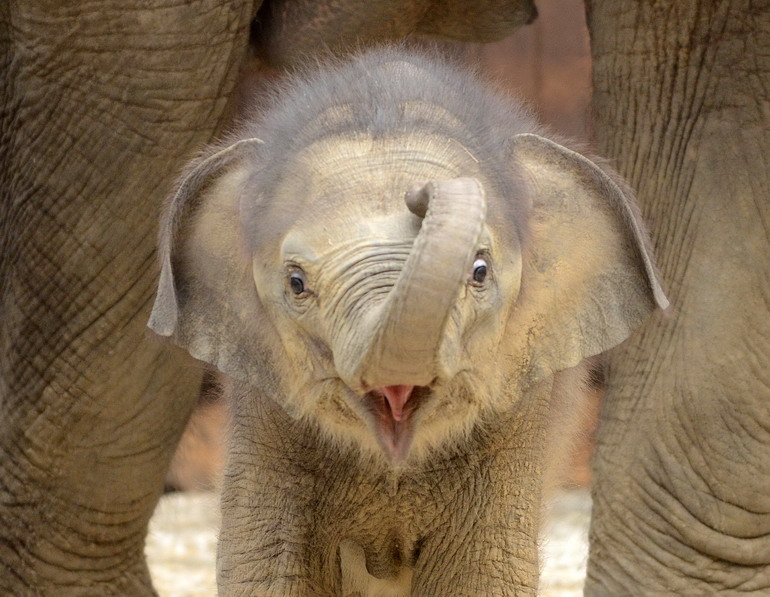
x,y
101,103
682,491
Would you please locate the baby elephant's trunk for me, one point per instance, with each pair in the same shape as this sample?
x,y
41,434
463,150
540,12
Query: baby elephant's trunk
x,y
403,345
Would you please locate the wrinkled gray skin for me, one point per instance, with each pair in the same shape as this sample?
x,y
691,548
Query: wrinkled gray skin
x,y
101,108
395,411
682,474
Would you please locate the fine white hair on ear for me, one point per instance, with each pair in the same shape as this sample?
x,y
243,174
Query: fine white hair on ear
x,y
165,312
621,203
589,279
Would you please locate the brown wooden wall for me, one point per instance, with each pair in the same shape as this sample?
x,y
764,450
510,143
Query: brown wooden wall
x,y
549,64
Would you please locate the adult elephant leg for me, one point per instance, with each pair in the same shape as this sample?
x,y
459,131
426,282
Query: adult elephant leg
x,y
101,103
682,491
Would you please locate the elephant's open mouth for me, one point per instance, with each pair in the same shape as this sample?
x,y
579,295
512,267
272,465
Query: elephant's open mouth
x,y
393,409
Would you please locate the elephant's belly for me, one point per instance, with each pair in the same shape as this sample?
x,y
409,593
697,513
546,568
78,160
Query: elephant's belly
x,y
357,582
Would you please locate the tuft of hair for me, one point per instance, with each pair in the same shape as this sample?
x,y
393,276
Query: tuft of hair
x,y
368,93
374,86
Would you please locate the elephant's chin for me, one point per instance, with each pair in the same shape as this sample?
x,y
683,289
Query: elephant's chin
x,y
392,410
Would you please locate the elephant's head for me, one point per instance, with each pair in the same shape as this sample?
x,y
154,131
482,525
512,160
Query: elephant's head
x,y
392,254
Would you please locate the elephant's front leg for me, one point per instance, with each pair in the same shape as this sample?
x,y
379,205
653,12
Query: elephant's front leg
x,y
484,542
266,546
682,467
99,105
263,548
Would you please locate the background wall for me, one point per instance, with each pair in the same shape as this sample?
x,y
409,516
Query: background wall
x,y
549,64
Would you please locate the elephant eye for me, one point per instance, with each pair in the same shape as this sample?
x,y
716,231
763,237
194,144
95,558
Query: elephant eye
x,y
297,283
479,270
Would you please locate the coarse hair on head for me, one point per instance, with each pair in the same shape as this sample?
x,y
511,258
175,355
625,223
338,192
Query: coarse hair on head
x,y
369,93
373,87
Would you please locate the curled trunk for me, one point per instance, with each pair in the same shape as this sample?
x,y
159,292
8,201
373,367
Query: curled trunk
x,y
405,337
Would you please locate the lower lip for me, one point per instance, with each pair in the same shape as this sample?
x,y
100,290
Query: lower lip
x,y
394,436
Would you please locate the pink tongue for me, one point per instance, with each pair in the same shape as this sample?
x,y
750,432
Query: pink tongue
x,y
397,397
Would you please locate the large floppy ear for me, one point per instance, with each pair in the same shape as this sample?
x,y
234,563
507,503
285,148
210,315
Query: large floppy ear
x,y
589,279
206,300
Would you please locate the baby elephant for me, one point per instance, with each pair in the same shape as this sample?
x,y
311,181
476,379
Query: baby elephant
x,y
400,277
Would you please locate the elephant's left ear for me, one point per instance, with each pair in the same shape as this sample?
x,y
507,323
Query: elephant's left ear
x,y
589,279
206,300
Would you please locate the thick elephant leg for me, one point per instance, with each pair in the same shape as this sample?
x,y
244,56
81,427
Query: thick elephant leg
x,y
682,492
84,463
101,104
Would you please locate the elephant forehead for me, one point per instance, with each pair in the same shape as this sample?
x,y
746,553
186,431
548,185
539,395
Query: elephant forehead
x,y
349,239
376,172
353,187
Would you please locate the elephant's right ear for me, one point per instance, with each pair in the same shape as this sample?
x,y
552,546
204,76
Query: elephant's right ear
x,y
589,279
206,299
